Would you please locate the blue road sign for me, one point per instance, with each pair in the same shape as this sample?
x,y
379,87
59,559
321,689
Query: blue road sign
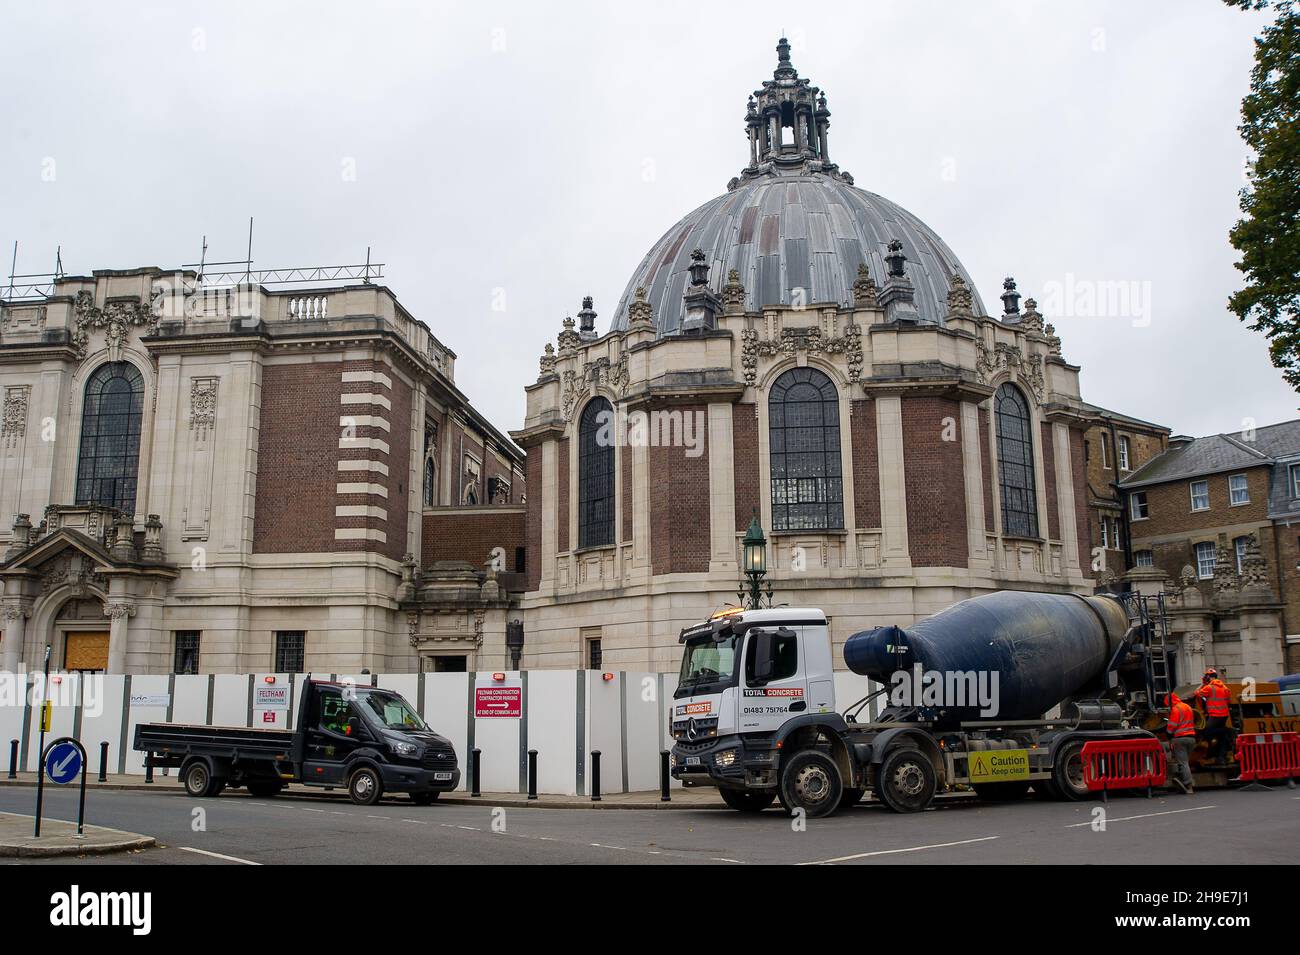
x,y
63,763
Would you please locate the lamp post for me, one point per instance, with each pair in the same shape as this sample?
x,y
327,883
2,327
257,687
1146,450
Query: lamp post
x,y
754,557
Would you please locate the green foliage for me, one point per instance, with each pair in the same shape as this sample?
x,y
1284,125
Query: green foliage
x,y
1268,234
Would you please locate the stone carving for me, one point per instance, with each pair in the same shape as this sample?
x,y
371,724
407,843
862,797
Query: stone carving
x,y
620,377
733,293
639,312
70,569
1225,575
568,339
413,628
9,322
1254,568
1187,577
1053,339
865,292
14,423
570,393
203,406
118,610
960,302
1009,357
14,611
115,318
547,361
1031,320
796,340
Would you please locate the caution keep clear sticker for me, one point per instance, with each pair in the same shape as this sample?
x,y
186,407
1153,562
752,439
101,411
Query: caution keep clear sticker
x,y
999,765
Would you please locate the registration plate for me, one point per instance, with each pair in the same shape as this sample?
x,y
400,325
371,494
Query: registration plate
x,y
692,760
442,775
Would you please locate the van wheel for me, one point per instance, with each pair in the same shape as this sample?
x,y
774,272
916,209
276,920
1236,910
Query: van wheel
x,y
811,781
1001,792
365,786
744,800
198,780
424,799
905,781
1067,774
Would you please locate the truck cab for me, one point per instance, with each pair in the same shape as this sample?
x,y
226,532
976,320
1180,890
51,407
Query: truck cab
x,y
747,677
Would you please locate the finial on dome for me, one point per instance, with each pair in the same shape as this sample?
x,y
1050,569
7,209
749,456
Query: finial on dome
x,y
1010,297
699,269
896,260
783,65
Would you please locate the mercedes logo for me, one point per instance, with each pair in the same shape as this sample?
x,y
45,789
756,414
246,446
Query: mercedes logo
x,y
692,731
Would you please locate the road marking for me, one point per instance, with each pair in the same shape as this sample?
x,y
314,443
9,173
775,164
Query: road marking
x,y
887,852
1145,815
720,859
418,822
218,855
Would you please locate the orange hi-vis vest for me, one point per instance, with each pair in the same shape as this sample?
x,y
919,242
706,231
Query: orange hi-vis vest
x,y
1215,694
1180,721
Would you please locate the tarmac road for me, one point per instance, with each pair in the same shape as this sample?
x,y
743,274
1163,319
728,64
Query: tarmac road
x,y
235,829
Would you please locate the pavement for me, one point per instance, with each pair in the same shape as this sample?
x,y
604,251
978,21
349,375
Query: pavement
x,y
704,797
236,829
59,838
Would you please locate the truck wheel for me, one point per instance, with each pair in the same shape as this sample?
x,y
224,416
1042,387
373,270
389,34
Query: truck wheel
x,y
811,781
1001,792
424,799
905,781
365,787
744,800
1046,789
264,788
1067,774
851,797
198,780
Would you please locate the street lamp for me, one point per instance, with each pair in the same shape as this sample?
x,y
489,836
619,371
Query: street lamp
x,y
754,559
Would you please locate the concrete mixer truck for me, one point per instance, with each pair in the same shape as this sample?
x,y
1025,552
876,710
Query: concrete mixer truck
x,y
965,697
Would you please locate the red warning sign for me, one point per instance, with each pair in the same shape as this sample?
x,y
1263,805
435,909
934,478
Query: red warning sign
x,y
498,701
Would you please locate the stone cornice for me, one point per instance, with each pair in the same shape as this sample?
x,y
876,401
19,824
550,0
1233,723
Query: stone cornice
x,y
955,387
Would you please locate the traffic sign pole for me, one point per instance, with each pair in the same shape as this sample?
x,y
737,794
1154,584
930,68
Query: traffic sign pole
x,y
63,760
40,777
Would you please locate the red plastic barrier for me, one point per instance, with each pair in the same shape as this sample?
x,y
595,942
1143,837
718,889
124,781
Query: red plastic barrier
x,y
1123,763
1268,756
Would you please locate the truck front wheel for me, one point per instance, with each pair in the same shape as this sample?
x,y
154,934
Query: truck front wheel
x,y
365,787
1067,774
745,800
905,781
811,781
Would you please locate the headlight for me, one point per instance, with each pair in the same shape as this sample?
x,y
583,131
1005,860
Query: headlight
x,y
725,758
403,749
672,760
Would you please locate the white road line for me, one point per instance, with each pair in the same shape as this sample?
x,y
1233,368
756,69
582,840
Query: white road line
x,y
887,852
418,822
1145,815
721,859
218,855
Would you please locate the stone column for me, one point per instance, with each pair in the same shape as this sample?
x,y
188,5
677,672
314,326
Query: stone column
x,y
973,475
15,618
893,487
546,494
1065,501
722,491
119,612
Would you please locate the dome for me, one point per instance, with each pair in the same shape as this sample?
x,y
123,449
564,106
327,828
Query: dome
x,y
782,233
792,225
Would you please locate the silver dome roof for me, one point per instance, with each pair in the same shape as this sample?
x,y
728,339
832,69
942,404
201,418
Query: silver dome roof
x,y
782,232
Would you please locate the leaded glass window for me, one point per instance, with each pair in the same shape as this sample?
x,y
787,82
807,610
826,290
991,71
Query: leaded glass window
x,y
596,474
1016,463
110,437
803,414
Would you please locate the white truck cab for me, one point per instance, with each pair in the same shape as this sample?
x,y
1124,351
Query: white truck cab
x,y
749,672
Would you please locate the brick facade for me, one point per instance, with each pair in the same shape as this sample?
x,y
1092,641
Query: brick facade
x,y
679,505
986,472
935,482
866,464
625,481
562,495
1049,482
1079,469
744,462
533,524
473,533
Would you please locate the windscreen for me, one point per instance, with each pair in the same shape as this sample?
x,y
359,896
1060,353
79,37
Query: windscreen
x,y
393,711
708,661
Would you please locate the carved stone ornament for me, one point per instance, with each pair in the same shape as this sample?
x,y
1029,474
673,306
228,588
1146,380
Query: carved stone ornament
x,y
959,297
1030,319
117,610
865,292
413,628
547,361
14,423
988,364
794,341
619,376
570,393
568,339
639,311
1053,339
733,293
203,406
115,318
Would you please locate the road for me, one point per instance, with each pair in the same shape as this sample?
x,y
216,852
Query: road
x,y
233,829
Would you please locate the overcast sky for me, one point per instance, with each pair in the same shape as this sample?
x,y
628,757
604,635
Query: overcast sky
x,y
531,153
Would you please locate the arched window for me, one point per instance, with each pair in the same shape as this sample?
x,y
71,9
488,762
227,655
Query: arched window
x,y
1016,463
430,482
596,474
804,432
110,437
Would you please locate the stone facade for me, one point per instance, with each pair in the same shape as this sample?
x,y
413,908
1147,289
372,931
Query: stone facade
x,y
279,455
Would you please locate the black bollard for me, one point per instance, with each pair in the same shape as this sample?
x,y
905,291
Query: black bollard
x,y
148,767
103,761
13,759
532,774
664,777
475,757
595,775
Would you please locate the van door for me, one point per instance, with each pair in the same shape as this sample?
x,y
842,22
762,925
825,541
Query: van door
x,y
336,733
766,702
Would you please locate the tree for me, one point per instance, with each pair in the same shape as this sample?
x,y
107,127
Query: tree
x,y
1268,234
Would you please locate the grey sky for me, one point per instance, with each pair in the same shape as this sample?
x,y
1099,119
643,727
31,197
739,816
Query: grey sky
x,y
540,149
